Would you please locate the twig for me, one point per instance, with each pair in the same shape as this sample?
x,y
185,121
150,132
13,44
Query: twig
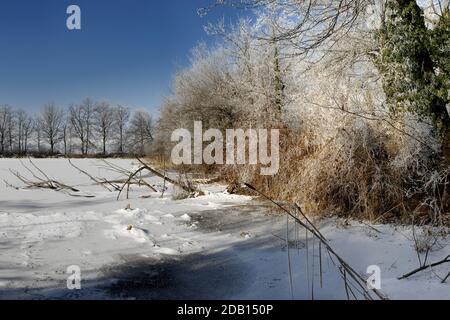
x,y
289,258
43,173
320,264
9,185
128,182
407,275
45,184
445,279
97,181
350,271
371,227
346,285
416,243
163,176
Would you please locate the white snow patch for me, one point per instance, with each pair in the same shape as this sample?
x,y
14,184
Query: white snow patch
x,y
167,251
185,217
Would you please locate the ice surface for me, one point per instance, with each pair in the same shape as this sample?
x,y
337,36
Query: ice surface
x,y
214,246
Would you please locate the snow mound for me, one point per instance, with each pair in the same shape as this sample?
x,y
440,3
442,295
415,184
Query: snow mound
x,y
185,217
167,251
136,234
132,213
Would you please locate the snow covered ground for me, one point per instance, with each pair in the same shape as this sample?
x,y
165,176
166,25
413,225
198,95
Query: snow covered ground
x,y
217,246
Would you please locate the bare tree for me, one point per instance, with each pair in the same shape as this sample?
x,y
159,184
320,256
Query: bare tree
x,y
11,129
141,130
104,120
5,120
24,128
38,130
122,115
308,24
81,118
78,124
67,134
27,130
88,106
21,115
51,120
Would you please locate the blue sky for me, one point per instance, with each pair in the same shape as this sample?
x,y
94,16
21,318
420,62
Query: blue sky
x,y
126,52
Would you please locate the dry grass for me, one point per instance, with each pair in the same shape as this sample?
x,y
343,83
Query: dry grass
x,y
360,170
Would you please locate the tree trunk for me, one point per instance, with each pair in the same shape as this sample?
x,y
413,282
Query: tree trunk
x,y
121,149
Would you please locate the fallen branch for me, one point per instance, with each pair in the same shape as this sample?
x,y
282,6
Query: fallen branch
x,y
9,185
42,172
102,182
164,177
115,168
360,282
407,275
46,182
127,183
445,279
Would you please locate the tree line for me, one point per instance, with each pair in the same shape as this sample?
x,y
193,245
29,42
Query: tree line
x,y
90,127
